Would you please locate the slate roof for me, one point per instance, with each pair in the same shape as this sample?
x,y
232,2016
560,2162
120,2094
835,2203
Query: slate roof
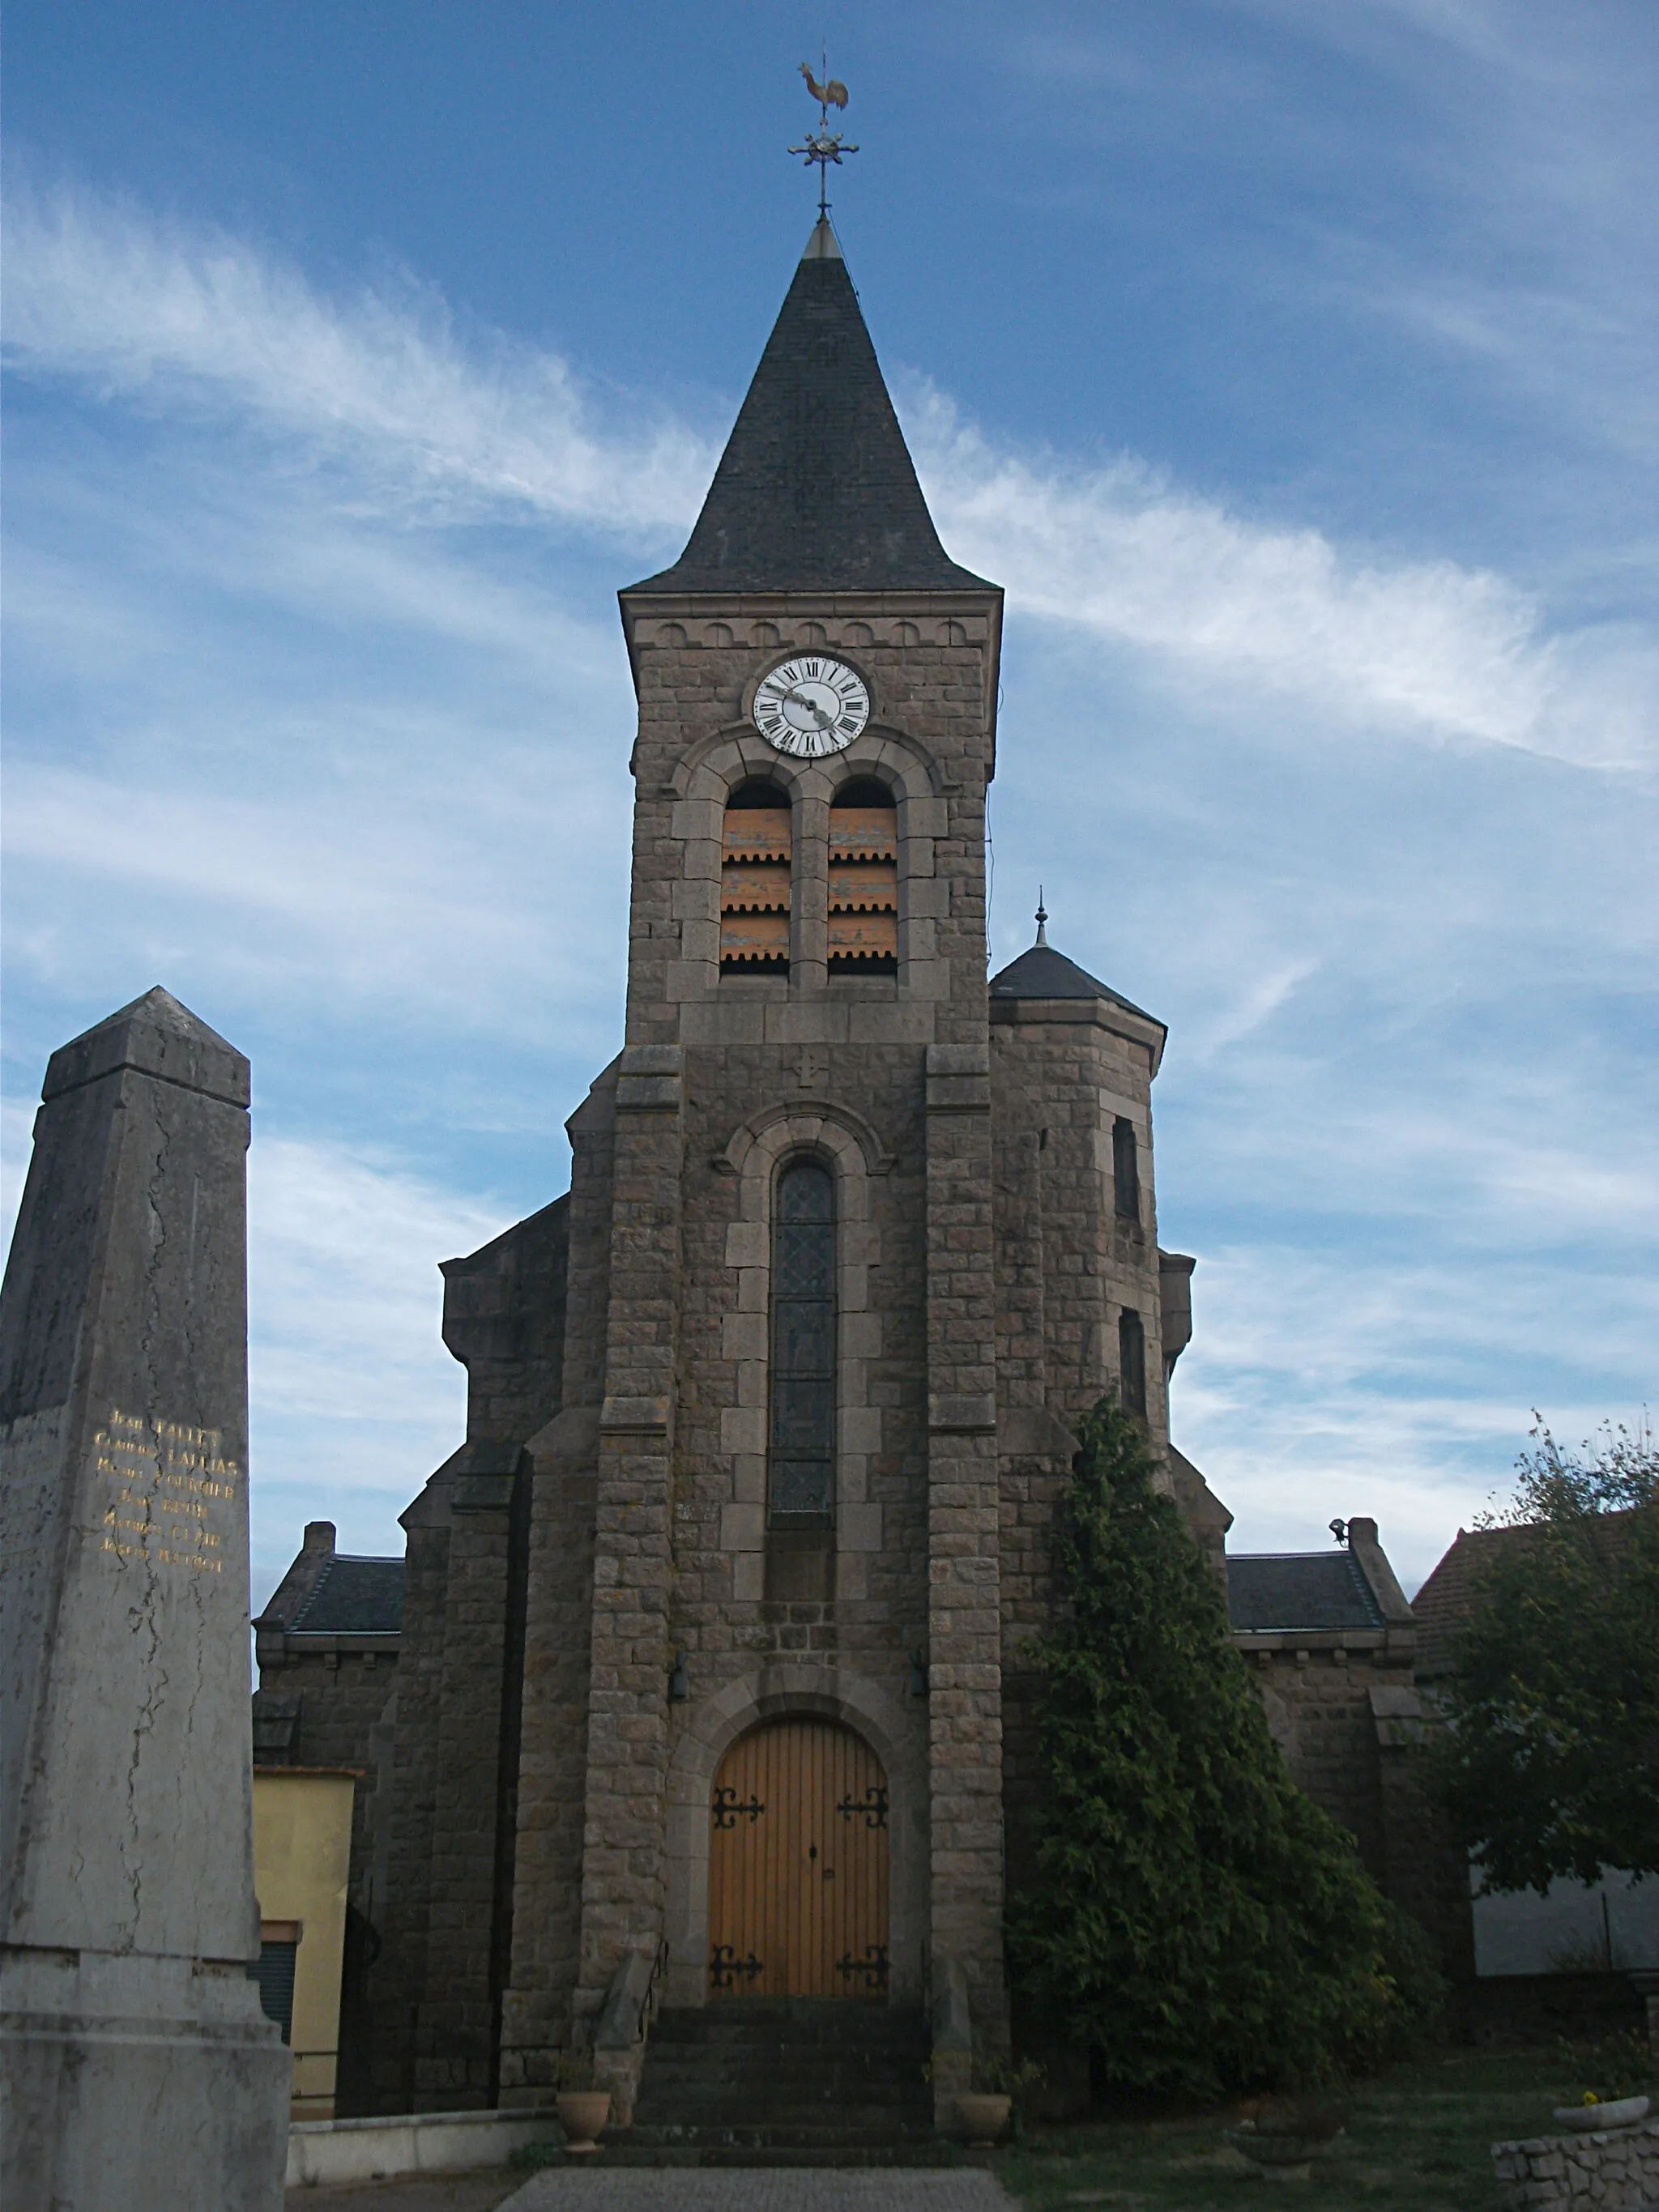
x,y
816,489
353,1597
1040,972
1289,1590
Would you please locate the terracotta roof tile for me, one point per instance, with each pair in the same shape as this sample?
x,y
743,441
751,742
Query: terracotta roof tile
x,y
1452,1590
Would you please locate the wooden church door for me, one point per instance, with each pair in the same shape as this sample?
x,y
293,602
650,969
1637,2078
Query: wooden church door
x,y
798,1865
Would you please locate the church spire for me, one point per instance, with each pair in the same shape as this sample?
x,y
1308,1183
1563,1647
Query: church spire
x,y
816,489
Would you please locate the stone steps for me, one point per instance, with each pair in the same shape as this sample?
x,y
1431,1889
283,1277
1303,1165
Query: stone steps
x,y
753,2112
796,2082
799,2134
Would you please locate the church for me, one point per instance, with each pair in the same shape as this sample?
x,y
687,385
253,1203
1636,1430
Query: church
x,y
700,1683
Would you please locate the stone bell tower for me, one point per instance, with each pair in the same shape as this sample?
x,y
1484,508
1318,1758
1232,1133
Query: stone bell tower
x,y
768,1418
855,1034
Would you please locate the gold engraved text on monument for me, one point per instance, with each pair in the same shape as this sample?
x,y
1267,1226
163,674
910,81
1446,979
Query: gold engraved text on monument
x,y
165,1476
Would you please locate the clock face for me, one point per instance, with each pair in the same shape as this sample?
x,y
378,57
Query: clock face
x,y
811,706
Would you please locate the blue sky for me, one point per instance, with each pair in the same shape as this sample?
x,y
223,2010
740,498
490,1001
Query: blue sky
x,y
1291,366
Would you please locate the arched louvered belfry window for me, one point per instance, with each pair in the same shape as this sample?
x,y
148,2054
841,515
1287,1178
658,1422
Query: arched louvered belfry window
x,y
864,881
803,1440
754,883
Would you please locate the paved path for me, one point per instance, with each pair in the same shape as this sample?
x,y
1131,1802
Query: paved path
x,y
761,2189
432,2192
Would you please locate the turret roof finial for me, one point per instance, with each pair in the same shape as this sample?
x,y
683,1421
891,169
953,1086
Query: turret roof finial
x,y
1042,919
824,145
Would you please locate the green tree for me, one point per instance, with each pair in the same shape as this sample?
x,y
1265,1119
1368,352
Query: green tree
x,y
1193,1917
1550,1763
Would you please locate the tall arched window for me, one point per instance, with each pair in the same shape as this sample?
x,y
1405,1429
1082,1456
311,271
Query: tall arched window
x,y
754,883
803,1456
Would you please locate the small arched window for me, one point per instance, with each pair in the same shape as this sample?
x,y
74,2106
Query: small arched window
x,y
803,1454
864,881
754,883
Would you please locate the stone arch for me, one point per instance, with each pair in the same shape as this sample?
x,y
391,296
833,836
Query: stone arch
x,y
804,1125
895,1731
722,760
726,758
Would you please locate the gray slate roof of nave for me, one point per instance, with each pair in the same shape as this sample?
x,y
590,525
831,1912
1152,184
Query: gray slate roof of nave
x,y
353,1597
1300,1589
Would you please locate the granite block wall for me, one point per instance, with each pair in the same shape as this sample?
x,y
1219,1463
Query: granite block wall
x,y
1614,2170
437,1986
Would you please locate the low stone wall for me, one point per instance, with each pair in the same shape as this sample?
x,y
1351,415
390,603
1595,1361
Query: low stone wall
x,y
1614,2170
320,2151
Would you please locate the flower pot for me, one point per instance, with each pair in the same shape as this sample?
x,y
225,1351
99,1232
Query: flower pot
x,y
1616,2113
983,2119
582,2114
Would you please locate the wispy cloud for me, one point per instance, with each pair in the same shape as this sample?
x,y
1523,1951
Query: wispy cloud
x,y
1432,645
1315,1387
349,1389
261,744
160,315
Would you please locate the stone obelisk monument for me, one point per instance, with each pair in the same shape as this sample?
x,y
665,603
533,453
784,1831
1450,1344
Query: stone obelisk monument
x,y
137,2069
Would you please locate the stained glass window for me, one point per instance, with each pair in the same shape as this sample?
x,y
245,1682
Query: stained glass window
x,y
803,1348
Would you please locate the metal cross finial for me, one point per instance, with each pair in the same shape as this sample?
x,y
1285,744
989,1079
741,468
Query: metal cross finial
x,y
1042,919
824,145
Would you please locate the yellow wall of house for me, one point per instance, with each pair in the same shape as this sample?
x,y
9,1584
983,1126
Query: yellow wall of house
x,y
301,1857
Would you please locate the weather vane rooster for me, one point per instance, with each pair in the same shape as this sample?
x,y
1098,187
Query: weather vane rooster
x,y
824,145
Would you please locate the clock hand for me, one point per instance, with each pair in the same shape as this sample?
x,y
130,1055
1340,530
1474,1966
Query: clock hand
x,y
825,722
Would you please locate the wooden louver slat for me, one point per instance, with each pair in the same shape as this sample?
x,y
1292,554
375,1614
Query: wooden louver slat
x,y
863,937
754,887
753,937
863,833
756,833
